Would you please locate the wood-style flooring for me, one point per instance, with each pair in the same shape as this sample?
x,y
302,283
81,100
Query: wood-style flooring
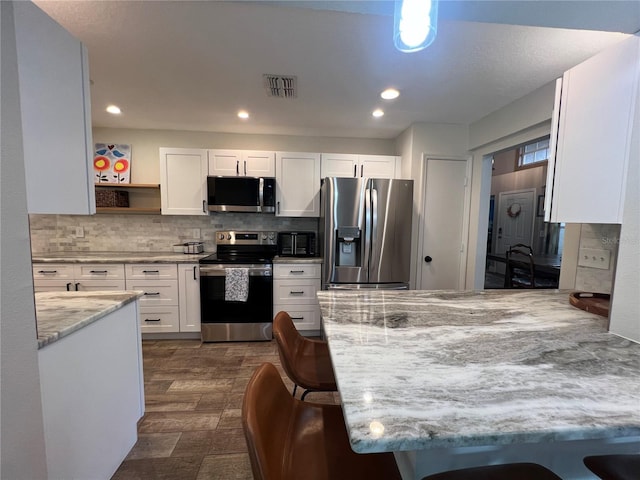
x,y
192,428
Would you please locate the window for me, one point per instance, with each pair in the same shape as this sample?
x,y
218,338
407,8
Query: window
x,y
533,153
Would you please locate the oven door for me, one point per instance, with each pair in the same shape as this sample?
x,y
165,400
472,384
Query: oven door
x,y
236,321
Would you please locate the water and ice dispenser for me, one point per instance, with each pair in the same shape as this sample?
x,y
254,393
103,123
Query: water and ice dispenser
x,y
348,247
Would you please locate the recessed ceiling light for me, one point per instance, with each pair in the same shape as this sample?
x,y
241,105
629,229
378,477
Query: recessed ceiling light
x,y
390,94
377,113
114,110
243,114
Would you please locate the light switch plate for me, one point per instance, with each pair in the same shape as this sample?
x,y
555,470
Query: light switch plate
x,y
79,232
196,233
594,258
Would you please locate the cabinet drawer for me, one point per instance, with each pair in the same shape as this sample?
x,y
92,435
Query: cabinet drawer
x,y
94,285
159,319
52,286
99,272
53,271
296,270
295,291
155,292
305,317
152,271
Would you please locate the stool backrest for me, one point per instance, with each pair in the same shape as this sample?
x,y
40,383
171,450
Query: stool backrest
x,y
288,339
267,413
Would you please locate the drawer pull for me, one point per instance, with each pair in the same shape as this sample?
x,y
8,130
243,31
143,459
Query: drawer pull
x,y
151,319
150,271
47,272
296,271
152,293
296,293
97,271
69,286
297,318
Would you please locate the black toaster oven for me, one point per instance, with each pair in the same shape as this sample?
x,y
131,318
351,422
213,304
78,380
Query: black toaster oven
x,y
297,244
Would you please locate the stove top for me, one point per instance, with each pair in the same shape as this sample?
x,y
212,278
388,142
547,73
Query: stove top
x,y
234,247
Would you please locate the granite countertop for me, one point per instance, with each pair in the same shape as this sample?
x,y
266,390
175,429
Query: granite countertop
x,y
426,369
117,257
59,314
279,259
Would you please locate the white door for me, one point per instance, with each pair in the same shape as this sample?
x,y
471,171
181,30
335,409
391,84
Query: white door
x,y
339,165
377,166
515,219
189,293
259,164
443,245
224,163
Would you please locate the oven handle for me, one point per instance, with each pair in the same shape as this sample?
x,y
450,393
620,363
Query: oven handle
x,y
221,272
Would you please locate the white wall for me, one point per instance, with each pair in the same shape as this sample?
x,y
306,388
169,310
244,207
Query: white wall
x,y
145,164
22,432
625,307
435,140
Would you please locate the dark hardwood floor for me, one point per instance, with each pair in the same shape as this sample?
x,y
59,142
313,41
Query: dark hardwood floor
x,y
193,394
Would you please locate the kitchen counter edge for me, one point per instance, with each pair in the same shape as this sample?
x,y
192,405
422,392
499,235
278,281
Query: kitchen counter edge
x,y
117,257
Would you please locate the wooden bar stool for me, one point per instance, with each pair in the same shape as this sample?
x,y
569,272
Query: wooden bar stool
x,y
306,361
289,439
614,467
508,471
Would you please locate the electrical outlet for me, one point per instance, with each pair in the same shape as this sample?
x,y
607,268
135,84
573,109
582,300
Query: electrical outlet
x,y
594,258
195,233
79,232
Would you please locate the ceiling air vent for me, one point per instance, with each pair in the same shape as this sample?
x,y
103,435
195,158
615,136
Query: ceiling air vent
x,y
282,86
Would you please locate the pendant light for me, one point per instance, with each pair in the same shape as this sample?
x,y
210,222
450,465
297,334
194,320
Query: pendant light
x,y
414,24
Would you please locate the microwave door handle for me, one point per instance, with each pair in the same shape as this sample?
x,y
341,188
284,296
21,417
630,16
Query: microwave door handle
x,y
261,194
294,246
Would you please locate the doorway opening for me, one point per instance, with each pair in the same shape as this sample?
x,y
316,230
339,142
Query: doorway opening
x,y
516,215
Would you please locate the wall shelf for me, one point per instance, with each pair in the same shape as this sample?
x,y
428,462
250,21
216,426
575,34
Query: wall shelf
x,y
144,198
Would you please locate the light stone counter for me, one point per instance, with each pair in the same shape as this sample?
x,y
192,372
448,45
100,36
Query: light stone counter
x,y
117,257
61,313
306,260
454,379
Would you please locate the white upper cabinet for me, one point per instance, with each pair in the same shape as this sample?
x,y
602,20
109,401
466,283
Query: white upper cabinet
x,y
351,165
183,181
297,184
242,163
586,178
56,115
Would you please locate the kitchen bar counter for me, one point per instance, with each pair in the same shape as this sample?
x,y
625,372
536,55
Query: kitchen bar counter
x,y
117,257
61,313
466,378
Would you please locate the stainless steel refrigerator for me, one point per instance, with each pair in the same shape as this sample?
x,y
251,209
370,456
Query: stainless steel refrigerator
x,y
365,231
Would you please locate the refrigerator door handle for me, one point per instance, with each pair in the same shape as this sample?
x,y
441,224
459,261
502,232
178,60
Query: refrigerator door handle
x,y
373,256
367,233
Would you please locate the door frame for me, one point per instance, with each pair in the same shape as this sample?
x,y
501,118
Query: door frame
x,y
465,216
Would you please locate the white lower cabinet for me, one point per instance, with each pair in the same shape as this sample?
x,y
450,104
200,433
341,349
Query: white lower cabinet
x,y
294,291
189,294
171,300
48,277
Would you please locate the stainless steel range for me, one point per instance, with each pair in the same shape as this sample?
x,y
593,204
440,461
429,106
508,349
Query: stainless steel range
x,y
236,287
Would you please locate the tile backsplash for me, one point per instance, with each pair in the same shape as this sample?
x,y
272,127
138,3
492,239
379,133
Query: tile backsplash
x,y
146,233
603,237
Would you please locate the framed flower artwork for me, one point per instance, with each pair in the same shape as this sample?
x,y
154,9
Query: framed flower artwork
x,y
112,163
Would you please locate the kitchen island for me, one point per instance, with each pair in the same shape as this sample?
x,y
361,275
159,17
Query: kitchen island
x,y
451,379
90,361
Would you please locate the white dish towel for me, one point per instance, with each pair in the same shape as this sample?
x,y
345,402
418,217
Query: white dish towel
x,y
236,284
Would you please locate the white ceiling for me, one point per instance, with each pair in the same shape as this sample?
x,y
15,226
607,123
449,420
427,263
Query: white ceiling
x,y
192,65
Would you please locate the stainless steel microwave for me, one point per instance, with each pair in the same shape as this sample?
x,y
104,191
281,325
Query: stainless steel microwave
x,y
241,194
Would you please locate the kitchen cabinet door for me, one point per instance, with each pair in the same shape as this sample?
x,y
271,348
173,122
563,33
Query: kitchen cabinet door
x,y
56,115
593,136
189,293
297,184
183,181
378,166
241,163
339,165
